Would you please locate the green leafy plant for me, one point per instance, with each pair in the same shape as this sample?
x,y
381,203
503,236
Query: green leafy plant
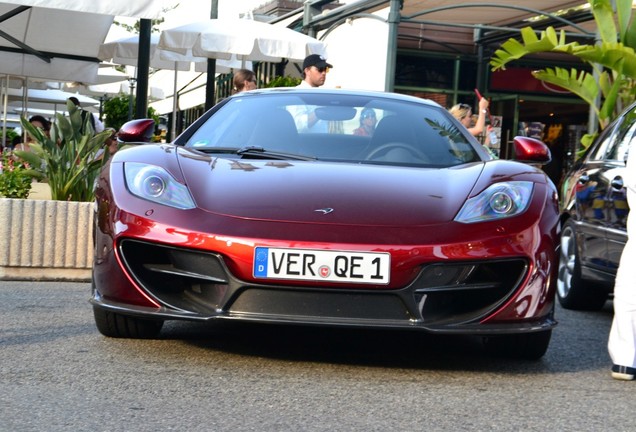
x,y
117,110
610,72
15,180
11,134
283,81
67,159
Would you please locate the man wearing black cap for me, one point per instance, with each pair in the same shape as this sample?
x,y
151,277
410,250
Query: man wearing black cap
x,y
315,69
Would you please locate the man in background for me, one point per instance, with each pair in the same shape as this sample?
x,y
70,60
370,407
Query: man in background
x,y
96,124
315,69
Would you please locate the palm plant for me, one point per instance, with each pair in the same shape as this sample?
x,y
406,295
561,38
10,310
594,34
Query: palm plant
x,y
67,159
607,84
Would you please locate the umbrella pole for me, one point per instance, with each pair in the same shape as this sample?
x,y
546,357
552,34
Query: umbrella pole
x,y
173,128
5,98
25,104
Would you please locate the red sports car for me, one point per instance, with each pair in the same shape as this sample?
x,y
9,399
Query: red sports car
x,y
274,208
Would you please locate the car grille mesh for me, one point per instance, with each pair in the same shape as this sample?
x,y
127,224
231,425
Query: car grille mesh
x,y
464,292
182,279
198,282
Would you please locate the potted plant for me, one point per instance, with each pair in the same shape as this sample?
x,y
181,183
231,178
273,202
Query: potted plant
x,y
52,239
67,159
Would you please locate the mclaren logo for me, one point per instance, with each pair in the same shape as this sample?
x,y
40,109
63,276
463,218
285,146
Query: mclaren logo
x,y
324,211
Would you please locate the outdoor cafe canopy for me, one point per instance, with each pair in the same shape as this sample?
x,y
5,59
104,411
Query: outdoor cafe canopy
x,y
60,39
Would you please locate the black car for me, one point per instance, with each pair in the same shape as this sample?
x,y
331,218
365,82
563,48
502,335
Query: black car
x,y
594,204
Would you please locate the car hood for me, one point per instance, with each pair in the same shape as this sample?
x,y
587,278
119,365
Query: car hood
x,y
331,193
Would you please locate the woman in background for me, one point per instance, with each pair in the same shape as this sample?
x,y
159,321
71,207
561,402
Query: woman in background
x,y
368,121
39,122
464,113
475,126
244,80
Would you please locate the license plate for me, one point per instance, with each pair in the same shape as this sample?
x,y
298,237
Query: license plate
x,y
322,265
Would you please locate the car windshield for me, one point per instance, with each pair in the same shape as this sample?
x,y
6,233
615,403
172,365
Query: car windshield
x,y
335,127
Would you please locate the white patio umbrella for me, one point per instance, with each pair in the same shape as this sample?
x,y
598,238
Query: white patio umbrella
x,y
246,39
46,102
58,39
51,96
107,77
125,51
137,8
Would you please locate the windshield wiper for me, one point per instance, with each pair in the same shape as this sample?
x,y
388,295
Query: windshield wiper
x,y
250,150
264,153
229,150
254,152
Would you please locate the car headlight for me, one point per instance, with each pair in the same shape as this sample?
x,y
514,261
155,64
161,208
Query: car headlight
x,y
155,184
498,201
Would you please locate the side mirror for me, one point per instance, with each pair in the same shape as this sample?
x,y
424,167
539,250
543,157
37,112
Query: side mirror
x,y
531,150
137,131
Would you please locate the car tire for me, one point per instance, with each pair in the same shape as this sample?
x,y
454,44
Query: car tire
x,y
116,325
527,346
572,291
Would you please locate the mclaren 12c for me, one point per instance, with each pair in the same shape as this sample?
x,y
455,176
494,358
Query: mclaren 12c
x,y
331,208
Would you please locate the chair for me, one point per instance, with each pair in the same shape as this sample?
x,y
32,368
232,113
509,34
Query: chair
x,y
275,130
395,140
393,129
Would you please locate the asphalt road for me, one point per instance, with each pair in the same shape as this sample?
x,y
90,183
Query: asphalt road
x,y
59,374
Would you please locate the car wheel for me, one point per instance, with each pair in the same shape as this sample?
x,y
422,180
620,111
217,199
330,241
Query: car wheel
x,y
527,346
572,291
116,325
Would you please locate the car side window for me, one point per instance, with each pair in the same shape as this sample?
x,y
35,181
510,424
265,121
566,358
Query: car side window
x,y
604,141
619,152
624,136
613,141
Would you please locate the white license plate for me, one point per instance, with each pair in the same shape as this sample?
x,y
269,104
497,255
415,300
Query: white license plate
x,y
322,265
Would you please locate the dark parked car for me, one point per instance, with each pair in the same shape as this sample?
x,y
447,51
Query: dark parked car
x,y
270,209
594,217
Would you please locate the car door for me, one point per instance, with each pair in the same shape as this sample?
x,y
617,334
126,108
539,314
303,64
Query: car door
x,y
588,188
616,197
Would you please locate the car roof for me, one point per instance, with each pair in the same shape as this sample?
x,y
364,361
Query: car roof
x,y
339,91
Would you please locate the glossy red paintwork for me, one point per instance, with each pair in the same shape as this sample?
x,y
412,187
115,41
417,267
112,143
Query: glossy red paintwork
x,y
264,190
531,150
225,227
140,130
408,212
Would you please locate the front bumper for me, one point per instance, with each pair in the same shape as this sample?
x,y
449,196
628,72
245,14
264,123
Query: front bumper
x,y
450,297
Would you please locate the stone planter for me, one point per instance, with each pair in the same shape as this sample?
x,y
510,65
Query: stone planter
x,y
45,240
